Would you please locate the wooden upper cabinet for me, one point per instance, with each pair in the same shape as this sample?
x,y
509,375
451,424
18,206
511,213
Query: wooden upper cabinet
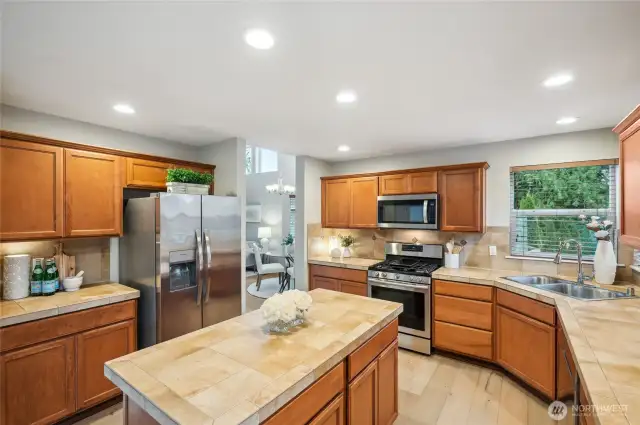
x,y
629,133
425,182
37,383
462,203
409,183
364,203
394,184
31,190
95,347
145,174
388,385
336,203
516,335
93,193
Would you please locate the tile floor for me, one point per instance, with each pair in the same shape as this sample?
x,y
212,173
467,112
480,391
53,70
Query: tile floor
x,y
437,390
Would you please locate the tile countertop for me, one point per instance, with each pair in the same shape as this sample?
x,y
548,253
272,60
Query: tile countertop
x,y
236,373
347,263
603,336
89,296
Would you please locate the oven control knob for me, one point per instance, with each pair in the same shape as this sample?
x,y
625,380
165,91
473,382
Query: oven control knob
x,y
397,276
384,275
412,278
376,274
421,279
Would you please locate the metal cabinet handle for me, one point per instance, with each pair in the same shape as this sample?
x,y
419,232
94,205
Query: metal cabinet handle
x,y
209,265
199,261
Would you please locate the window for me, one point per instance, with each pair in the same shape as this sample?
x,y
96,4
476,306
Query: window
x,y
260,160
292,215
547,200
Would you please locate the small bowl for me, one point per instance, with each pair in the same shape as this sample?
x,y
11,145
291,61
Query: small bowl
x,y
72,283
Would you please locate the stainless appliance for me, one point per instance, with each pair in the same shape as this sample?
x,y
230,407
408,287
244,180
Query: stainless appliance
x,y
405,277
183,253
408,211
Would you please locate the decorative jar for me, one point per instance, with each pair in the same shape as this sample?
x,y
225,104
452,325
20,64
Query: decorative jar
x,y
605,263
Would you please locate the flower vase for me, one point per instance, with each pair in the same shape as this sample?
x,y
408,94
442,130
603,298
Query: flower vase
x,y
605,263
346,252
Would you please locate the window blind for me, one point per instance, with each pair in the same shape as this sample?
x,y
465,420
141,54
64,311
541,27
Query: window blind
x,y
546,202
292,216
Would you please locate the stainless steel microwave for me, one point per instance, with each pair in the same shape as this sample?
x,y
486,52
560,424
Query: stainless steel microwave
x,y
408,211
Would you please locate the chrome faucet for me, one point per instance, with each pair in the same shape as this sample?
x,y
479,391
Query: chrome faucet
x,y
558,258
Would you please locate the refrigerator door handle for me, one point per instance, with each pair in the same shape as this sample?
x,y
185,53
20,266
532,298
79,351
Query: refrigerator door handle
x,y
199,261
209,265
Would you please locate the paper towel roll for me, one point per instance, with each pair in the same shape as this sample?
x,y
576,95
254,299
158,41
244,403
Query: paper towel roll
x,y
17,272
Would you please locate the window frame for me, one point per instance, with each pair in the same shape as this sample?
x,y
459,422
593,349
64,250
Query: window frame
x,y
515,213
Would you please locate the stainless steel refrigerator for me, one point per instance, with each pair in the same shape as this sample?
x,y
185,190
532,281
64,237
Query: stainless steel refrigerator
x,y
183,252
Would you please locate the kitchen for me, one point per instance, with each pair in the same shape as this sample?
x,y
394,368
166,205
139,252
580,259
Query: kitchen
x,y
453,346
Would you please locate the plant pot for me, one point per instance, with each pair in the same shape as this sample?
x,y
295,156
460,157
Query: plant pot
x,y
346,253
289,249
188,188
605,263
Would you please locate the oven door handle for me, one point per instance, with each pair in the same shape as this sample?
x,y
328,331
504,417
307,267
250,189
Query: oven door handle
x,y
425,289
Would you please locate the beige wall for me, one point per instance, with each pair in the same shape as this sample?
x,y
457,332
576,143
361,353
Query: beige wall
x,y
576,146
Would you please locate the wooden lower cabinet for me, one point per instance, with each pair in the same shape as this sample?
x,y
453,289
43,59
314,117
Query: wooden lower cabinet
x,y
324,283
527,348
363,397
333,414
95,347
38,383
565,367
388,385
354,288
338,279
463,340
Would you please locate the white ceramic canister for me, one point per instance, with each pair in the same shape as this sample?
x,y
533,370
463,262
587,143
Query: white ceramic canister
x,y
16,275
452,261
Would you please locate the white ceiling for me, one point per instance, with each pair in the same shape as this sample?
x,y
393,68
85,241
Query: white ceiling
x,y
427,75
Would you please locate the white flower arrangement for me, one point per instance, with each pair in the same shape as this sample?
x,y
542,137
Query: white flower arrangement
x,y
287,308
600,229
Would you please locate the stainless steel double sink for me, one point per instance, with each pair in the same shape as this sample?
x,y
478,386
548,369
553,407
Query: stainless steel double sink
x,y
568,288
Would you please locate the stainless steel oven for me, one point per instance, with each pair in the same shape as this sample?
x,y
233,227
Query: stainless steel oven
x,y
408,211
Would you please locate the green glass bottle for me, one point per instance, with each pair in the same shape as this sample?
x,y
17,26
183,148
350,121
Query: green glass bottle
x,y
37,276
49,282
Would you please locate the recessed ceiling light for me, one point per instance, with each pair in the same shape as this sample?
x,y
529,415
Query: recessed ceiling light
x,y
557,80
346,96
344,148
123,108
566,120
259,39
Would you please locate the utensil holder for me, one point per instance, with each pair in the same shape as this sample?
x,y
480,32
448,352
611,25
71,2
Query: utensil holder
x,y
452,261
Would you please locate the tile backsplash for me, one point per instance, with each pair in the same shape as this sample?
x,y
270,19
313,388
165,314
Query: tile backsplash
x,y
370,244
92,254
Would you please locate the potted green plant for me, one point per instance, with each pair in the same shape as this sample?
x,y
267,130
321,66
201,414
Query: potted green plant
x,y
287,242
345,243
184,180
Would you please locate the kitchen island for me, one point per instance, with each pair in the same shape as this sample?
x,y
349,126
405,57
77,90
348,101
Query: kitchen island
x,y
339,367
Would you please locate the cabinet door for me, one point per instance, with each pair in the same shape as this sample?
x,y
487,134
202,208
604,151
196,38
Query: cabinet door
x,y
93,194
363,397
333,414
37,384
364,203
95,347
462,200
630,182
336,203
516,335
565,366
394,184
354,288
388,385
30,190
426,182
146,174
324,283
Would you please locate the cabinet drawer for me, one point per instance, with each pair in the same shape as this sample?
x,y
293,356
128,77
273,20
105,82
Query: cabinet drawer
x,y
463,340
463,290
338,273
54,327
311,401
461,311
355,288
532,308
368,351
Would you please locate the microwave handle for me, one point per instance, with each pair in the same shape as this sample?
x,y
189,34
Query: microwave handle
x,y
425,207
